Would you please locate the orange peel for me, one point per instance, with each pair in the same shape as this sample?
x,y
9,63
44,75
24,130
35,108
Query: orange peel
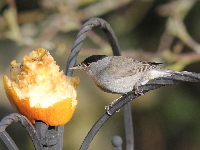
x,y
38,90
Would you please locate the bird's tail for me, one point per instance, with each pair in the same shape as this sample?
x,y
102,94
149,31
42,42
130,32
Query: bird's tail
x,y
183,76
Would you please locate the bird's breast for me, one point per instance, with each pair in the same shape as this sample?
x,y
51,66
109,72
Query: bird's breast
x,y
108,83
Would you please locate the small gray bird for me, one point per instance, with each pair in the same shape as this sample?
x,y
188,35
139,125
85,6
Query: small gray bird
x,y
119,74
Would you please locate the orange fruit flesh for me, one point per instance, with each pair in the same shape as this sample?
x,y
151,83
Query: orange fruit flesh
x,y
39,91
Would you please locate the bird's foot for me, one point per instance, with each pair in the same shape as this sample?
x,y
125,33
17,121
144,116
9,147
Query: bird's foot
x,y
107,108
137,91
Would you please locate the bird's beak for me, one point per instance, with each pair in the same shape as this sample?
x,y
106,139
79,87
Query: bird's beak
x,y
77,67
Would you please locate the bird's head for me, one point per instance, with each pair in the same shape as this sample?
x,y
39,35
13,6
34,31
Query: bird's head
x,y
86,63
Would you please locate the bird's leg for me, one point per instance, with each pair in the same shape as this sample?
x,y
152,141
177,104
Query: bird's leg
x,y
111,105
137,91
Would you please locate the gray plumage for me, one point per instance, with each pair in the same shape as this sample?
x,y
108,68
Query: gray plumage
x,y
119,74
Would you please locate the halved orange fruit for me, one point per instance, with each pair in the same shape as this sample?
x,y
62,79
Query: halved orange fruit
x,y
39,91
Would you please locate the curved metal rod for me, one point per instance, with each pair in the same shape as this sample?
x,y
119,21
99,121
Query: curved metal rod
x,y
192,77
94,22
128,127
25,123
8,141
116,51
120,103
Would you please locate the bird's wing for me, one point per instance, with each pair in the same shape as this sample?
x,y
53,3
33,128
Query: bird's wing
x,y
123,66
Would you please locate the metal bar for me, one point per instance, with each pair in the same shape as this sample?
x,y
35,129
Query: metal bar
x,y
128,126
93,131
26,124
8,141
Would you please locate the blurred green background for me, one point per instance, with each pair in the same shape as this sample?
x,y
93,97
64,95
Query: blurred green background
x,y
154,30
